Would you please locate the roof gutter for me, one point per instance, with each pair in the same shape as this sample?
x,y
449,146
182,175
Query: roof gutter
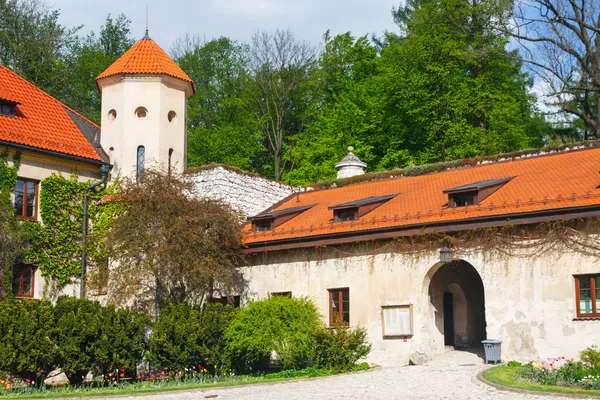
x,y
425,228
53,153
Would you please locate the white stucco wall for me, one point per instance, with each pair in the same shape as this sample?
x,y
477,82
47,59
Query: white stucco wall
x,y
245,193
529,301
121,136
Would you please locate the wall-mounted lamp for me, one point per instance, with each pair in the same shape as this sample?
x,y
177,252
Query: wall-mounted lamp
x,y
445,254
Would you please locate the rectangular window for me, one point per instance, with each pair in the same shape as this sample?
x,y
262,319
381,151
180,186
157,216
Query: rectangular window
x,y
7,109
587,290
282,294
231,300
397,320
22,284
26,193
263,225
344,215
339,306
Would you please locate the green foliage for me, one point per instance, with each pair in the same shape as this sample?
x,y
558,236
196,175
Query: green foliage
x,y
90,336
55,243
287,326
28,348
10,232
514,364
591,356
221,127
185,336
339,347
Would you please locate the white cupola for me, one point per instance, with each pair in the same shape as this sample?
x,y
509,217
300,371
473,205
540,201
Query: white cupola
x,y
350,165
144,102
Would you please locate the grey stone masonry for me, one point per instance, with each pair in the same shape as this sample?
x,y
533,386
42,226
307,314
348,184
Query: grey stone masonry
x,y
244,192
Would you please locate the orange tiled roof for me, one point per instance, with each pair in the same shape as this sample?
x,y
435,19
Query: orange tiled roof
x,y
558,181
41,121
146,57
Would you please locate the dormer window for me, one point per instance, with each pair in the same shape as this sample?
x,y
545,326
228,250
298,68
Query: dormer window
x,y
272,219
7,108
263,225
345,214
473,194
356,209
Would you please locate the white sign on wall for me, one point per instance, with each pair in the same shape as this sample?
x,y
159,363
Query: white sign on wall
x,y
397,320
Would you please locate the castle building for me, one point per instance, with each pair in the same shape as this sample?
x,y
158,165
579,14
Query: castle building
x,y
499,248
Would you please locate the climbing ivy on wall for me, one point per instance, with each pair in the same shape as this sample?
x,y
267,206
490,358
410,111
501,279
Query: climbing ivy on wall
x,y
10,240
54,244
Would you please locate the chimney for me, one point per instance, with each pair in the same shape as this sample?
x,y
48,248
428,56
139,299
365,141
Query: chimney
x,y
350,165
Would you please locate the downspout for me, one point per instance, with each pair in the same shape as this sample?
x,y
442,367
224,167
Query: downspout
x,y
104,170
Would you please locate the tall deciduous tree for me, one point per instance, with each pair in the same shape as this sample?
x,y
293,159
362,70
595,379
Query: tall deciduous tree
x,y
280,65
454,88
170,246
87,58
561,40
33,42
222,128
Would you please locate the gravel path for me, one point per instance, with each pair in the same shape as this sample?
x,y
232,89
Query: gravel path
x,y
451,376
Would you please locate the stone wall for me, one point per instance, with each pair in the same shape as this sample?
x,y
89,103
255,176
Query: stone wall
x,y
528,300
246,193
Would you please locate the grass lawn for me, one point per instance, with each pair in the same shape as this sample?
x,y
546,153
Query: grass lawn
x,y
505,376
149,387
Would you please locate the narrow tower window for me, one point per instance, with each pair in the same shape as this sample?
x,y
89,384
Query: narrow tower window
x,y
172,116
170,156
141,157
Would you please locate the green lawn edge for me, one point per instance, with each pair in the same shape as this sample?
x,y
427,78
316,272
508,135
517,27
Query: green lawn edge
x,y
503,377
144,391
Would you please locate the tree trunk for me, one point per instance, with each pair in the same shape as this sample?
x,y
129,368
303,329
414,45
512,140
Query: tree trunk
x,y
277,157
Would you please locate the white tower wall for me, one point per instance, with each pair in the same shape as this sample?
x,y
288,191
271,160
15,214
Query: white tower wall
x,y
122,136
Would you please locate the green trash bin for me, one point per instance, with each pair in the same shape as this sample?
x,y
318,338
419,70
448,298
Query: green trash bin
x,y
492,351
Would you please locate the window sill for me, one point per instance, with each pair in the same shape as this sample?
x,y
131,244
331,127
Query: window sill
x,y
25,297
21,218
590,318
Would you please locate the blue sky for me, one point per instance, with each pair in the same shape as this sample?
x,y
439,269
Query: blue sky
x,y
238,19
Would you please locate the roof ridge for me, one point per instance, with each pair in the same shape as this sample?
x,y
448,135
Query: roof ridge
x,y
453,165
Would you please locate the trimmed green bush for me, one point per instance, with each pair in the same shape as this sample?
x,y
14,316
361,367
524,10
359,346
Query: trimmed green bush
x,y
591,356
90,336
339,348
185,336
285,325
27,347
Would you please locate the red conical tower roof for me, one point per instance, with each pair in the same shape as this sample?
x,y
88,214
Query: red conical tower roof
x,y
146,57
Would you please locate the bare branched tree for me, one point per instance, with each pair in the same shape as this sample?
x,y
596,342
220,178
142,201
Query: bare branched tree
x,y
561,40
279,65
170,247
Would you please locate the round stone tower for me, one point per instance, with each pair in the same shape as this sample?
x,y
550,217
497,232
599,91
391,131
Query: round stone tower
x,y
144,102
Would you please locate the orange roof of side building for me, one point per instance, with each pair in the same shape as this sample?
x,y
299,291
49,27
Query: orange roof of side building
x,y
547,187
146,57
42,122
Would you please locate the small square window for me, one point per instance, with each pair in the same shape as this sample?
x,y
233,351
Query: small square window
x,y
231,300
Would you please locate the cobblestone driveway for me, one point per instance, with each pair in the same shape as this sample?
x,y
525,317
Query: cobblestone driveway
x,y
452,376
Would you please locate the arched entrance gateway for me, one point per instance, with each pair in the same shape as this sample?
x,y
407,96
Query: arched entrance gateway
x,y
457,306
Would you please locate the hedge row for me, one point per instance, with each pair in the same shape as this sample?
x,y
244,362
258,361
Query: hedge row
x,y
81,335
